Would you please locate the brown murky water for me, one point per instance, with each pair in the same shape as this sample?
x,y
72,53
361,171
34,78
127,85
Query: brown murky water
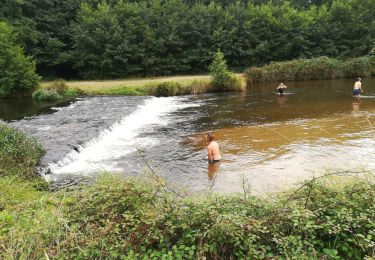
x,y
276,141
268,142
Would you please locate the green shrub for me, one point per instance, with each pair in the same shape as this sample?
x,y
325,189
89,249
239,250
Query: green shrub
x,y
372,51
58,86
116,217
219,71
46,95
199,87
123,217
169,88
17,151
17,71
234,84
311,69
361,66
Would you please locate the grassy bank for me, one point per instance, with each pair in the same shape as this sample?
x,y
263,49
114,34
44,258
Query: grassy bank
x,y
311,69
126,218
182,85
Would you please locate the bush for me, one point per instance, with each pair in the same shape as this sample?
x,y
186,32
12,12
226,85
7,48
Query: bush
x,y
199,87
116,217
46,95
59,86
234,84
168,88
17,151
311,69
17,71
219,71
361,66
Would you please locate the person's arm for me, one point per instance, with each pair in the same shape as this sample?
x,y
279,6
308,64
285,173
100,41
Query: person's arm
x,y
209,149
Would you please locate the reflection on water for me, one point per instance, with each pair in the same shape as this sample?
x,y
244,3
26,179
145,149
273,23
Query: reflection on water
x,y
18,108
212,170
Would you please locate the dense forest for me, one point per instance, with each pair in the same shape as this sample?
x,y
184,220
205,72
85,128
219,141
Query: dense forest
x,y
115,38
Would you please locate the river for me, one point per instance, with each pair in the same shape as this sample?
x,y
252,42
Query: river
x,y
268,142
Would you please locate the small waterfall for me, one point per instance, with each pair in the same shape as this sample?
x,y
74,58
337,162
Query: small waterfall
x,y
119,140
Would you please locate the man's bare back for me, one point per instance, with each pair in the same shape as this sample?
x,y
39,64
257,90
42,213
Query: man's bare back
x,y
213,149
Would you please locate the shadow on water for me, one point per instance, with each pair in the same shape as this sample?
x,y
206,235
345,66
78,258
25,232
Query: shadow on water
x,y
19,108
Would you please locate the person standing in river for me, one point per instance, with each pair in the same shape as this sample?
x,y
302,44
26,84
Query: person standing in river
x,y
281,88
357,88
213,149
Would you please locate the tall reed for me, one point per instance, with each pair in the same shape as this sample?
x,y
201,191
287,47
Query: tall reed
x,y
311,69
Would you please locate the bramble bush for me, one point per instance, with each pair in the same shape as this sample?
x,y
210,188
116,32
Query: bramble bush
x,y
116,218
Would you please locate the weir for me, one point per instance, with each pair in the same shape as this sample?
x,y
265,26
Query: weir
x,y
103,152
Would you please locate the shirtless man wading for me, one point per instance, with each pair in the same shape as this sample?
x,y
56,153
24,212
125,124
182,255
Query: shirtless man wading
x,y
281,88
213,149
357,90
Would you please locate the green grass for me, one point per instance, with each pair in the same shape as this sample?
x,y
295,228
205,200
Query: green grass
x,y
124,217
311,69
187,85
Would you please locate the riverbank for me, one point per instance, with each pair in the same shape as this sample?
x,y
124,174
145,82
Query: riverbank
x,y
120,217
312,69
195,84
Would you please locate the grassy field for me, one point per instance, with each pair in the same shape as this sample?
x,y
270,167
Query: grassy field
x,y
134,86
95,86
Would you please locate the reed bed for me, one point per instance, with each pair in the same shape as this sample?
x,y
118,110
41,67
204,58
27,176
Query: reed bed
x,y
311,69
168,86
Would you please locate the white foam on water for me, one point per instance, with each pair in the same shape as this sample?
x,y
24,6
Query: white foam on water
x,y
120,139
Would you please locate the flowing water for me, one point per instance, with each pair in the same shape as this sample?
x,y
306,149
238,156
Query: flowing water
x,y
268,141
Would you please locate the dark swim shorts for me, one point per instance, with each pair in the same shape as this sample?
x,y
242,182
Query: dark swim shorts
x,y
281,90
356,92
214,161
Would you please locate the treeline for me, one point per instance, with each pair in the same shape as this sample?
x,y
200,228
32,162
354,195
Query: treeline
x,y
114,38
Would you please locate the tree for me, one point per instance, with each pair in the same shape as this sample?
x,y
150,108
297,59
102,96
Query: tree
x,y
43,29
219,71
17,71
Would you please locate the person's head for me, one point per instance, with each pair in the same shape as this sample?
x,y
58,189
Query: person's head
x,y
210,137
359,79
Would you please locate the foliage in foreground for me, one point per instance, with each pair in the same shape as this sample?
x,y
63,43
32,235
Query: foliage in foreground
x,y
311,69
115,217
18,152
125,218
17,71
